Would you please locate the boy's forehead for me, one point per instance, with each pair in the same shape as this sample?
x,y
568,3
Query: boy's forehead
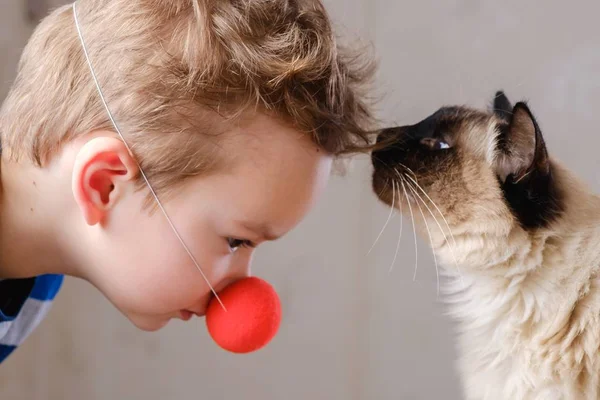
x,y
264,137
273,173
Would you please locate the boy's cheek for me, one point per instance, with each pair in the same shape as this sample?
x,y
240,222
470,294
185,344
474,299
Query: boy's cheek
x,y
146,271
163,282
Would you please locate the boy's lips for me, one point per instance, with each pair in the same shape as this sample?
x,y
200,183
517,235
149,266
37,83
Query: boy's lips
x,y
186,315
198,310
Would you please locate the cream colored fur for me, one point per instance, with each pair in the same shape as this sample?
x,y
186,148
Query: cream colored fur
x,y
528,305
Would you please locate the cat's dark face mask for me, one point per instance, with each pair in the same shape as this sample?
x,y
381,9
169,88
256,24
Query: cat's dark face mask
x,y
464,161
420,147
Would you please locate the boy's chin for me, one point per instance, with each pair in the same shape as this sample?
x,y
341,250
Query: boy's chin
x,y
148,323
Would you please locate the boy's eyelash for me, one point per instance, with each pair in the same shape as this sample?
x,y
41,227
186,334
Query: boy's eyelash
x,y
237,243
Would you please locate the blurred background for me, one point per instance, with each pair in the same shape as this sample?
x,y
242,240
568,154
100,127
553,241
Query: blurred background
x,y
351,329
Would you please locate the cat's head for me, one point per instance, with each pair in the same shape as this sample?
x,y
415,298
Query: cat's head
x,y
471,165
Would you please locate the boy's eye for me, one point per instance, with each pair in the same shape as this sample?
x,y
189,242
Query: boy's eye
x,y
235,244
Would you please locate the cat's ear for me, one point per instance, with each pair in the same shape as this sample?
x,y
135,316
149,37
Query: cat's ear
x,y
525,171
502,106
521,146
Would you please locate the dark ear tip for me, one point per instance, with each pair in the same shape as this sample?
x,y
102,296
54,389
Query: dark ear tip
x,y
501,105
500,96
523,106
501,102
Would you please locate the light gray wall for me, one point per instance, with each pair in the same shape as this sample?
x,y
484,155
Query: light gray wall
x,y
351,330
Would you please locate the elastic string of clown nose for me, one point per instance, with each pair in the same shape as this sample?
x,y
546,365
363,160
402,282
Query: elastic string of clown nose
x,y
138,165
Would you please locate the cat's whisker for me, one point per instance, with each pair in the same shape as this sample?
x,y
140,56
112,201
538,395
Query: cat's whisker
x,y
433,203
406,169
416,183
413,222
399,234
522,177
437,269
414,180
452,247
400,212
388,218
384,188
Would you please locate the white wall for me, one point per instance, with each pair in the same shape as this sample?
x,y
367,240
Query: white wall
x,y
383,335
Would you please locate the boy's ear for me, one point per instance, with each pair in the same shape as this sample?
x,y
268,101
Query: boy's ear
x,y
102,170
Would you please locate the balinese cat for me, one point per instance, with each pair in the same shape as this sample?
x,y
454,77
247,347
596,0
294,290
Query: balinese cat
x,y
519,240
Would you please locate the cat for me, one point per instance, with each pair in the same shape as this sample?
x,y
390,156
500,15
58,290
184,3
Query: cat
x,y
518,236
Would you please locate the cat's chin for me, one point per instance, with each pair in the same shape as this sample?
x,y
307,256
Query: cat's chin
x,y
383,187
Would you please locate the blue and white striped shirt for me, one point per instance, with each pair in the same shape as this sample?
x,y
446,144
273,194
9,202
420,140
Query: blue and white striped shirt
x,y
24,303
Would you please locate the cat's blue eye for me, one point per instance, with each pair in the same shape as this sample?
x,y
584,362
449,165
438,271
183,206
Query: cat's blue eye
x,y
435,143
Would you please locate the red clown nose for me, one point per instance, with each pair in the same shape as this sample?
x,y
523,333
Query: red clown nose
x,y
251,318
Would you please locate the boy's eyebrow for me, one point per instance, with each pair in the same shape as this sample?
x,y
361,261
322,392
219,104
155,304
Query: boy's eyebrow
x,y
262,230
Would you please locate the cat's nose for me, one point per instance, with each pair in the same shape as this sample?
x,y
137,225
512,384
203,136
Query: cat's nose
x,y
389,147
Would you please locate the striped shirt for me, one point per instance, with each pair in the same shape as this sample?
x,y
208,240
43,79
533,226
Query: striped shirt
x,y
23,305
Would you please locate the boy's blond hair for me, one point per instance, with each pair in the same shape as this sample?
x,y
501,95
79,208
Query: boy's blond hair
x,y
175,73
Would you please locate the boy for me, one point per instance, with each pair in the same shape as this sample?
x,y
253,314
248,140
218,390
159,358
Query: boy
x,y
233,111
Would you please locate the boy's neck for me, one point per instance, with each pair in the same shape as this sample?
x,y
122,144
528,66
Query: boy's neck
x,y
33,222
